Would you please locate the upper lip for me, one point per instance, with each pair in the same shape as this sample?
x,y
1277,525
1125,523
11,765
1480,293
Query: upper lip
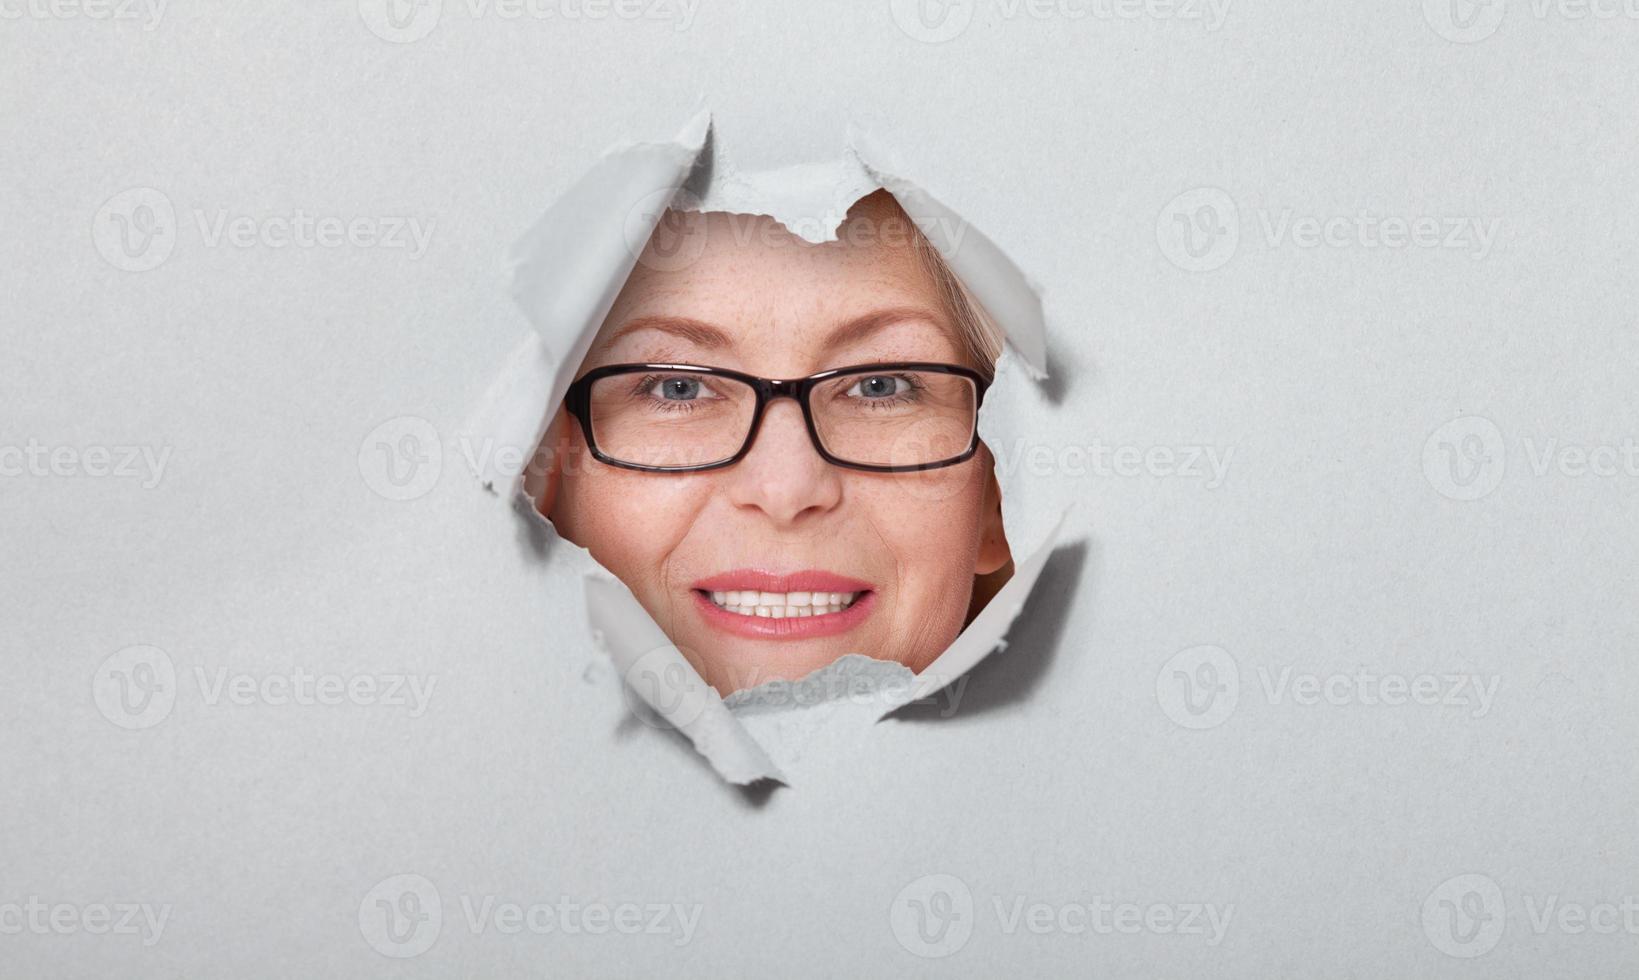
x,y
811,580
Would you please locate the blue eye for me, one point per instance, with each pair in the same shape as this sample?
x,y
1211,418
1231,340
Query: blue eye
x,y
675,392
671,388
680,389
879,386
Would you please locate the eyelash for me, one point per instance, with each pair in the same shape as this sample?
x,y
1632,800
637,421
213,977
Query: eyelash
x,y
643,390
916,387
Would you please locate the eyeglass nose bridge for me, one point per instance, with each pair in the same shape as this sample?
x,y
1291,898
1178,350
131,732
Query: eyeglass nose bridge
x,y
792,389
770,390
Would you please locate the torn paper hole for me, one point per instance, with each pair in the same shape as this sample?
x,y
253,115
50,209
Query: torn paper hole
x,y
570,269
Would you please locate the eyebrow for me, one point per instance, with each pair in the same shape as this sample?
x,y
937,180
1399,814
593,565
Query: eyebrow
x,y
696,332
860,328
705,335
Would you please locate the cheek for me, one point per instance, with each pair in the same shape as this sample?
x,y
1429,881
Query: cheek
x,y
931,524
629,521
931,516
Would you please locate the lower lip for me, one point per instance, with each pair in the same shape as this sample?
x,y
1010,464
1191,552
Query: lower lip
x,y
785,627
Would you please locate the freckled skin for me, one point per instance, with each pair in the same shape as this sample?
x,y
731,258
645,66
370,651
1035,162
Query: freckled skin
x,y
918,538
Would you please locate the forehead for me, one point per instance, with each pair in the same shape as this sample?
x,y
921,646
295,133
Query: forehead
x,y
761,285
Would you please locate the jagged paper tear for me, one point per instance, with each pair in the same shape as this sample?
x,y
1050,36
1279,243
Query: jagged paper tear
x,y
567,271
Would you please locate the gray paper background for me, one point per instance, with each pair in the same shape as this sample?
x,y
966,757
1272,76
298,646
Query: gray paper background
x,y
1404,498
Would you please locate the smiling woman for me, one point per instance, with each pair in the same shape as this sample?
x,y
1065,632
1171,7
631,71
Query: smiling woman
x,y
774,445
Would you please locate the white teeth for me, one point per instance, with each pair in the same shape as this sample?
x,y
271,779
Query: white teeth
x,y
783,605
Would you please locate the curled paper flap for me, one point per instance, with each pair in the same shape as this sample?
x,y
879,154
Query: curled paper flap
x,y
571,264
786,716
843,697
896,683
568,270
1001,287
811,200
986,633
656,671
510,414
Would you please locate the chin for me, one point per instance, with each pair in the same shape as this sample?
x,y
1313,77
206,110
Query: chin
x,y
731,666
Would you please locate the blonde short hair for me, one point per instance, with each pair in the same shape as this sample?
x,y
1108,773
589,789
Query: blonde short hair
x,y
982,339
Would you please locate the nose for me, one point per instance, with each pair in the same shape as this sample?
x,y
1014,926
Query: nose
x,y
783,476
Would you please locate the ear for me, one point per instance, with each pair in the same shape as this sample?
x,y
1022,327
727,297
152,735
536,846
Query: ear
x,y
994,553
546,468
994,565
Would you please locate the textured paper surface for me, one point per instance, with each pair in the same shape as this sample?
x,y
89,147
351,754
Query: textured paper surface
x,y
567,272
1208,703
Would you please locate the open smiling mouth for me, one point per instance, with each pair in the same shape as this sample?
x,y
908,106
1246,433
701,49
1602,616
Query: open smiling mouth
x,y
770,606
781,605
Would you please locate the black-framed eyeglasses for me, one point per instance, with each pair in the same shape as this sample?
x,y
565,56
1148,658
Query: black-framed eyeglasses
x,y
898,417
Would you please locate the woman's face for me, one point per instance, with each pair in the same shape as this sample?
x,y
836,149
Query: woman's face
x,y
740,292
